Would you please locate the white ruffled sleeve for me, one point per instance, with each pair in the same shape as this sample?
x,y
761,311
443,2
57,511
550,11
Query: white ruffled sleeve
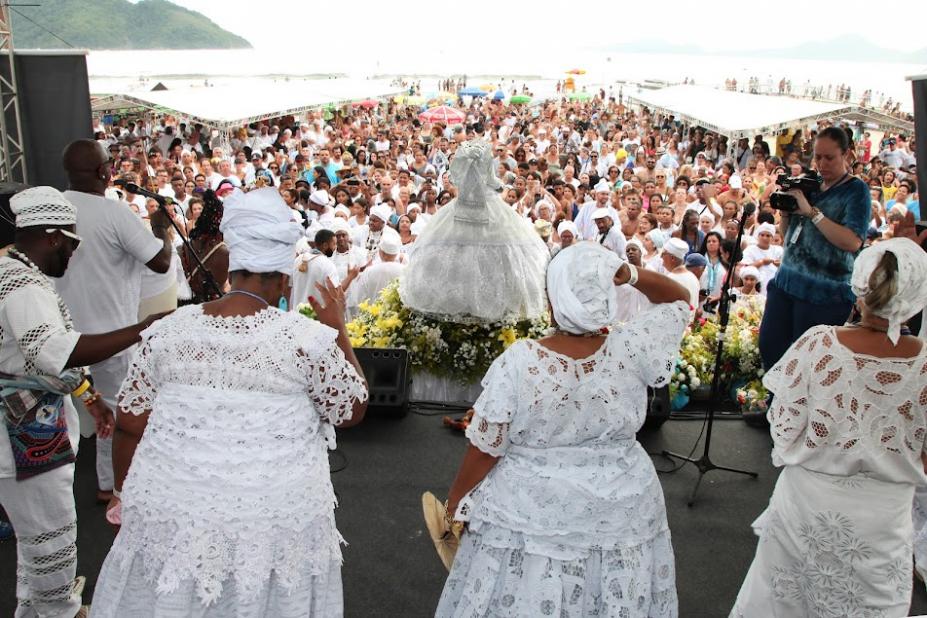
x,y
652,340
789,381
334,384
496,405
139,389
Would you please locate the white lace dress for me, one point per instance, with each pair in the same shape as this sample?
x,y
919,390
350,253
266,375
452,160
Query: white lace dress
x,y
571,520
849,429
228,507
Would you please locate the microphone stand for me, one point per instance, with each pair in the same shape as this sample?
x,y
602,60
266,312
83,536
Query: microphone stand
x,y
162,205
704,464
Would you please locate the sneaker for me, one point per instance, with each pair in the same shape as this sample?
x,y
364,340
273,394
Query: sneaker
x,y
6,530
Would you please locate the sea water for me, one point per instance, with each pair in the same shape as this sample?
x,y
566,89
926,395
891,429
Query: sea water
x,y
119,71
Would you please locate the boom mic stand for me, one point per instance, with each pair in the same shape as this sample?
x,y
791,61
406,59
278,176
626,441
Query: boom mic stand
x,y
162,205
704,464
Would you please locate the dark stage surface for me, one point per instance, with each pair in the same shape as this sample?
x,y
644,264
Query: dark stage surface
x,y
390,566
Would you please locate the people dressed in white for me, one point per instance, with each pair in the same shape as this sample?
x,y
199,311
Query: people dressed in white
x,y
566,513
346,255
674,266
764,255
584,221
610,235
226,418
367,237
848,422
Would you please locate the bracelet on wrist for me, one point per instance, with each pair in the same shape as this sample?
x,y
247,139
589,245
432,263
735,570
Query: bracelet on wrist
x,y
816,216
632,274
91,399
117,494
80,390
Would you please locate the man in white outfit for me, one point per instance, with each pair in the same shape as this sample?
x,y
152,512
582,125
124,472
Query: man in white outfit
x,y
314,267
610,235
584,222
371,282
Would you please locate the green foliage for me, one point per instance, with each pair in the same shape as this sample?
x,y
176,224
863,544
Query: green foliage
x,y
118,24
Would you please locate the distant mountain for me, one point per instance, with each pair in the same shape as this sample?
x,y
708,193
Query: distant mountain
x,y
117,24
846,48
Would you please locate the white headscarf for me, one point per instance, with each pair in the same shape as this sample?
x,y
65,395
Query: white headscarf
x,y
581,287
911,296
259,231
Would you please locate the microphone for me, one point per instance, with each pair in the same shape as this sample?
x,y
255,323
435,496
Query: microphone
x,y
131,187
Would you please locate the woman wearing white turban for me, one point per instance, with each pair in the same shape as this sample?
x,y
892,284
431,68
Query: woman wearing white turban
x,y
566,515
225,417
848,422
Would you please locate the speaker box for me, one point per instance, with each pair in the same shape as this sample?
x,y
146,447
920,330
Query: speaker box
x,y
658,408
388,380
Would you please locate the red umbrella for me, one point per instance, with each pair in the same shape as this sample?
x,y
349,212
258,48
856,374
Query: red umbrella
x,y
368,104
443,114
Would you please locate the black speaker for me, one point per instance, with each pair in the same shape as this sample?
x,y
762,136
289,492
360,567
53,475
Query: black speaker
x,y
388,380
658,408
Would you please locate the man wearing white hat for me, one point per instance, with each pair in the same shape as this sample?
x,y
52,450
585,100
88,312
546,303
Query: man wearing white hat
x,y
674,266
346,257
321,203
764,255
43,357
584,222
371,282
367,237
610,235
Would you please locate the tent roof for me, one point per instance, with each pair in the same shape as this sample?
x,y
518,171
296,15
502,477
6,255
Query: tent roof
x,y
229,107
738,114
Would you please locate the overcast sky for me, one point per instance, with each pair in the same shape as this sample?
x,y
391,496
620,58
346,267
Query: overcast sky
x,y
713,24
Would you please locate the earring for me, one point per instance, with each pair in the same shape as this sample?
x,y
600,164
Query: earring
x,y
282,304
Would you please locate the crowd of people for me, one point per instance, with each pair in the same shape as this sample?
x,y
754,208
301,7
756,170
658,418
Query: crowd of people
x,y
643,220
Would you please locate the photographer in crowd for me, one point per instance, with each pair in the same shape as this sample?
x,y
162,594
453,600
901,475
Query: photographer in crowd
x,y
812,285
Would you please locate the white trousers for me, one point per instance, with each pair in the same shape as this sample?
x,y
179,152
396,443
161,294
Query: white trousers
x,y
42,512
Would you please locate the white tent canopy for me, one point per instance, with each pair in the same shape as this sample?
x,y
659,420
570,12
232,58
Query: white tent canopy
x,y
738,114
229,107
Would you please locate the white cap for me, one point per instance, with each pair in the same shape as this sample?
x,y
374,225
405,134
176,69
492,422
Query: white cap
x,y
568,226
390,244
637,243
766,227
676,247
341,209
322,198
42,206
749,271
603,187
339,225
735,182
601,213
381,212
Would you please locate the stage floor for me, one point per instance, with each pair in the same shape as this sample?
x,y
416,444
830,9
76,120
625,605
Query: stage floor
x,y
390,566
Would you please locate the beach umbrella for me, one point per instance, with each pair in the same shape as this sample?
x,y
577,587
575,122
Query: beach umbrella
x,y
487,87
520,98
577,72
414,100
443,114
498,96
472,92
366,104
444,95
579,96
399,98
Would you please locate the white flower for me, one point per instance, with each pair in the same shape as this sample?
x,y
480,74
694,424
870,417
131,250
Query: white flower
x,y
696,382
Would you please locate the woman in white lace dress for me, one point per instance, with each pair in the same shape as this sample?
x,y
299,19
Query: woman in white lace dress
x,y
848,422
226,416
566,515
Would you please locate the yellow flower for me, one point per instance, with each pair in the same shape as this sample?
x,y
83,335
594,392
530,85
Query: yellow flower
x,y
381,342
373,309
364,306
507,336
357,342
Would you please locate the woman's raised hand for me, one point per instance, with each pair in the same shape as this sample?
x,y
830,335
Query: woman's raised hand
x,y
329,305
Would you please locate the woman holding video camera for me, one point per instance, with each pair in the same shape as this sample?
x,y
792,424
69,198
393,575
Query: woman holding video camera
x,y
812,285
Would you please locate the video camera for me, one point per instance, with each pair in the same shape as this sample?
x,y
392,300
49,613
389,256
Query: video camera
x,y
808,184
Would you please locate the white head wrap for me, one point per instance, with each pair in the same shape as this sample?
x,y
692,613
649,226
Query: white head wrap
x,y
766,227
339,225
581,288
42,206
322,198
657,237
637,243
341,209
749,271
390,244
911,295
603,187
568,226
259,231
381,212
